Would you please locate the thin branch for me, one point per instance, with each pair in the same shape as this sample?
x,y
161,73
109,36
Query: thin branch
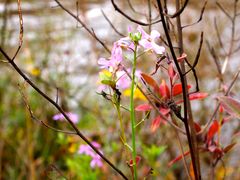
x,y
216,60
45,96
130,18
224,11
84,25
20,23
197,56
51,101
217,107
201,16
179,12
133,9
218,35
113,27
25,100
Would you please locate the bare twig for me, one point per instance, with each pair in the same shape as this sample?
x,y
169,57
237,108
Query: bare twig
x,y
217,107
179,11
223,10
84,25
130,18
201,16
113,27
218,35
25,100
133,9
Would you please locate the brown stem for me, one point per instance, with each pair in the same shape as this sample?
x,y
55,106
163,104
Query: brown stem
x,y
191,146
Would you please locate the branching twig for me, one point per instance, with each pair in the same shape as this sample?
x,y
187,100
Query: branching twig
x,y
178,12
113,27
51,101
217,107
201,16
25,100
130,18
84,25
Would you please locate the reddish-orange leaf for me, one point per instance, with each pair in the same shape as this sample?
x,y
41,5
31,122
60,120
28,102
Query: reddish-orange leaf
x,y
164,90
229,147
138,158
150,81
171,71
178,158
212,130
143,107
197,127
195,96
221,108
156,123
164,111
177,89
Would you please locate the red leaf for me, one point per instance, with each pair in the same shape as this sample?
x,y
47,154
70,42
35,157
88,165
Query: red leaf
x,y
221,108
150,81
212,130
130,164
215,150
171,71
197,127
164,111
164,90
138,158
177,89
195,96
143,107
156,123
178,158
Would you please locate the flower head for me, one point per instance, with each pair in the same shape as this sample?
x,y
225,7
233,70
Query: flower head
x,y
73,117
148,41
96,159
114,61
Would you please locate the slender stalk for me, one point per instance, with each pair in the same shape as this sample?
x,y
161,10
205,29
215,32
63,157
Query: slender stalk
x,y
189,109
133,122
184,88
123,137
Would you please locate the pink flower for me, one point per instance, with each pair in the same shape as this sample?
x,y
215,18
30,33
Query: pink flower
x,y
123,81
96,159
114,61
73,117
148,41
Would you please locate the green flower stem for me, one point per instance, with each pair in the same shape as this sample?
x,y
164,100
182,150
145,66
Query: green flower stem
x,y
133,121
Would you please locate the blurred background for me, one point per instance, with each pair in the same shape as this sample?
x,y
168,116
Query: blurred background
x,y
60,56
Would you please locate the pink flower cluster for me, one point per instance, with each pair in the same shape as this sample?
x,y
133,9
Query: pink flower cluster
x,y
113,63
73,117
96,159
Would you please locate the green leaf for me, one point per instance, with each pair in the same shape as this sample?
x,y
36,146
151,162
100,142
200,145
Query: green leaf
x,y
109,83
231,105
